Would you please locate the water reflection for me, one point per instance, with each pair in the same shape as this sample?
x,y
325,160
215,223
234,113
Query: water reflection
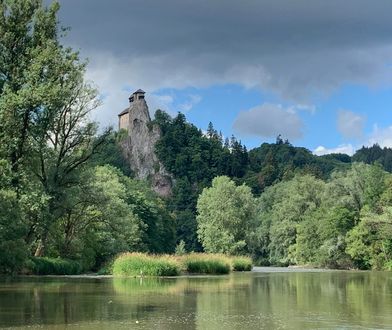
x,y
246,300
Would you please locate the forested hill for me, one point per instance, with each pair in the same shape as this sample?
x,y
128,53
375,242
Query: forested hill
x,y
375,154
188,153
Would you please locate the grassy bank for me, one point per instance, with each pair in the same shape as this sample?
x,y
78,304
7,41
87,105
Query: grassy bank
x,y
53,266
139,264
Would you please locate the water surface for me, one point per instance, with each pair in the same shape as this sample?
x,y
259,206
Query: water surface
x,y
267,299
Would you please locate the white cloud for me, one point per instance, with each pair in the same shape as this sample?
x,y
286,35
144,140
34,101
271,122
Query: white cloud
x,y
350,124
160,101
269,120
341,149
381,136
190,103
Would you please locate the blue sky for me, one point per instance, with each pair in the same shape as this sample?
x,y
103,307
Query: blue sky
x,y
317,72
221,104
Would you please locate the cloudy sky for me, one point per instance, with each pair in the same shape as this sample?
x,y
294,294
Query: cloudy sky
x,y
318,72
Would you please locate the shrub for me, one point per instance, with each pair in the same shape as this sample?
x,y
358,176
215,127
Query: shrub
x,y
241,264
206,264
54,266
13,254
139,264
106,269
180,248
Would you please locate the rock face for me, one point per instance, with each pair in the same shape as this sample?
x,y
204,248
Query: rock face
x,y
139,145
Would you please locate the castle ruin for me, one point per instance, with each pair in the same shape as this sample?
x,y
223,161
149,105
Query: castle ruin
x,y
139,145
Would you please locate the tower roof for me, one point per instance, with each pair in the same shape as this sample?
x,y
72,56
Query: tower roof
x,y
123,112
140,91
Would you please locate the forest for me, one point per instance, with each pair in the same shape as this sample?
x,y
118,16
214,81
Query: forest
x,y
67,193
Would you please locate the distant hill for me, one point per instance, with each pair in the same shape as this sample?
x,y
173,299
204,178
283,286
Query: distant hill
x,y
375,154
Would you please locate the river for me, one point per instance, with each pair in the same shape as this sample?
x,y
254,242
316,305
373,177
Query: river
x,y
267,298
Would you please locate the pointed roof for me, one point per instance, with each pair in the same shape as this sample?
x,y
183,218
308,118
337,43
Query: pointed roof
x,y
140,91
123,112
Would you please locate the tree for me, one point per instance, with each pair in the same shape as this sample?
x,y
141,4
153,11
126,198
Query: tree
x,y
45,135
226,215
282,209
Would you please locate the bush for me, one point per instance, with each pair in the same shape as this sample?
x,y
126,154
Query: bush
x,y
241,264
13,255
206,264
180,248
54,266
106,269
139,264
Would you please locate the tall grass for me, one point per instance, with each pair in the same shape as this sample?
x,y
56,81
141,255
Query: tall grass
x,y
200,263
139,264
54,266
241,263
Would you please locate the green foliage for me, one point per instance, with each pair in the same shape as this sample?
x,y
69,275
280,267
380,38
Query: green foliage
x,y
226,215
375,154
197,263
241,264
194,159
271,163
180,248
343,223
370,243
110,153
13,249
54,266
138,264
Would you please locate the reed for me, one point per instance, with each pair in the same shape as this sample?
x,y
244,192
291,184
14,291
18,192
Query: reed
x,y
241,263
54,266
202,263
140,264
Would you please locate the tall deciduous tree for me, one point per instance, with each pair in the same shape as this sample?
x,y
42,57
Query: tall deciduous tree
x,y
45,134
226,217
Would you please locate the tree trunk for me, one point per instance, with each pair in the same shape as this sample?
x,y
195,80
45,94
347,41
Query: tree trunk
x,y
40,251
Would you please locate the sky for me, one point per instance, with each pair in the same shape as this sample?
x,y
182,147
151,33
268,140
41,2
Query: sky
x,y
317,72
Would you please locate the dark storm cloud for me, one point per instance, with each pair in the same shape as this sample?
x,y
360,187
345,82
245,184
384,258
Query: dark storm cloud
x,y
291,47
297,49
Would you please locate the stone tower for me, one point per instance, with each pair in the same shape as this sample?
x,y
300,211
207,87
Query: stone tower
x,y
139,145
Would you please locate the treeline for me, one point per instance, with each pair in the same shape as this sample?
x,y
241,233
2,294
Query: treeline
x,y
344,222
375,154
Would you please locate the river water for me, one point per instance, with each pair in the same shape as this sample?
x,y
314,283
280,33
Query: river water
x,y
268,298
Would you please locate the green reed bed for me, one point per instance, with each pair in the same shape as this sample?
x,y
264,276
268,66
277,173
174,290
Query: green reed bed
x,y
241,263
53,266
139,264
202,263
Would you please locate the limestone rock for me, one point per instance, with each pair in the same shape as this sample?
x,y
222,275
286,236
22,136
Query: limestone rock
x,y
139,145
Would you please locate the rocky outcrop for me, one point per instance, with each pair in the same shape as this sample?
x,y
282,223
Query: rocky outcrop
x,y
139,147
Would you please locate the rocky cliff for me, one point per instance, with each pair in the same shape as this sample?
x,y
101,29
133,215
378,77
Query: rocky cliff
x,y
139,147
